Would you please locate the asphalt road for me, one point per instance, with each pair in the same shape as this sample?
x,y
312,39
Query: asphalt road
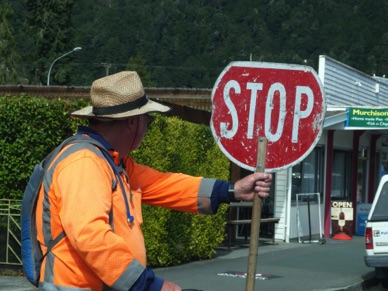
x,y
336,265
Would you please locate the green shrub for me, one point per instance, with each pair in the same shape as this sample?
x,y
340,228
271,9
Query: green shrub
x,y
30,127
177,146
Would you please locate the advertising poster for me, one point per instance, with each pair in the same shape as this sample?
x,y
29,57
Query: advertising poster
x,y
362,213
342,220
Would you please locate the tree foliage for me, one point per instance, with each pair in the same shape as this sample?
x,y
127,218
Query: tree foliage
x,y
137,63
51,26
8,55
188,43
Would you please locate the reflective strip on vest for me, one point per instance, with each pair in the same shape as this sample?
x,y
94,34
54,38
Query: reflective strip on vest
x,y
44,286
131,274
204,193
47,234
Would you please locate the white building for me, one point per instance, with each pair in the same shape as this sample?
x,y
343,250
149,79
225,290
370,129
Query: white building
x,y
345,165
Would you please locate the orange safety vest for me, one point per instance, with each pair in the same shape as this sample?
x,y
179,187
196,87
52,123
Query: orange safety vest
x,y
101,250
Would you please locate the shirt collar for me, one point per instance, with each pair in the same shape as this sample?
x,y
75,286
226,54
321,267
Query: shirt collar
x,y
98,137
94,135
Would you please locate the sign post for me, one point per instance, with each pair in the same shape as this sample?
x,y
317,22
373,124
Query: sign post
x,y
266,117
256,217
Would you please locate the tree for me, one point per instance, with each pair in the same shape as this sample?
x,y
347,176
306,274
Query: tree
x,y
8,56
51,25
188,43
137,63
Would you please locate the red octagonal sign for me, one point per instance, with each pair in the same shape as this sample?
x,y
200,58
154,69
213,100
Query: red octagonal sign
x,y
283,103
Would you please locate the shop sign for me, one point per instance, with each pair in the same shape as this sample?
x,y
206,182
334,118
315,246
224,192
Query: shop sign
x,y
360,117
362,213
342,220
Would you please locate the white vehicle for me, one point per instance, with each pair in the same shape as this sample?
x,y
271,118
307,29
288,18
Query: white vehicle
x,y
376,233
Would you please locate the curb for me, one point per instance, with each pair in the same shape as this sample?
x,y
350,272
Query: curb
x,y
368,282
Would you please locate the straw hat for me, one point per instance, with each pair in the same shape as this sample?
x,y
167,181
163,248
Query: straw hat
x,y
119,96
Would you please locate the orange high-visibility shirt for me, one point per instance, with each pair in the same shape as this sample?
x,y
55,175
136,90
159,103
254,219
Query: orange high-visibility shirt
x,y
100,248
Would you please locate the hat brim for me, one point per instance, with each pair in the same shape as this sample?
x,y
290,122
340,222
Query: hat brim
x,y
149,107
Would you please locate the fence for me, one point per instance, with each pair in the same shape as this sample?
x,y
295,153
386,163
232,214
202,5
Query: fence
x,y
10,245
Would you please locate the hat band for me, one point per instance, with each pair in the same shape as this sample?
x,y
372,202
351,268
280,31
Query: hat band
x,y
121,108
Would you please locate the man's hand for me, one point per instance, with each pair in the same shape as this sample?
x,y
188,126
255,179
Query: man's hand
x,y
170,286
259,183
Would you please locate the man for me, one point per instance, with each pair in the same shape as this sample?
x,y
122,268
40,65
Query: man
x,y
103,246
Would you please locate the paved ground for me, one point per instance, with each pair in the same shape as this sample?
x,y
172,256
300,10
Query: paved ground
x,y
336,265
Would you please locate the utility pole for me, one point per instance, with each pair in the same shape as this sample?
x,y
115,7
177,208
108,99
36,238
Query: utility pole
x,y
107,67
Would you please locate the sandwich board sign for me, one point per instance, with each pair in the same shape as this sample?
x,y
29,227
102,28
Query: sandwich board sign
x,y
283,103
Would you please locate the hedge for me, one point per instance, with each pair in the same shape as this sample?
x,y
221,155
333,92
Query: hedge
x,y
178,146
31,126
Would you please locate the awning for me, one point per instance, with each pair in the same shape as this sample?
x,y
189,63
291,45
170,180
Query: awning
x,y
335,119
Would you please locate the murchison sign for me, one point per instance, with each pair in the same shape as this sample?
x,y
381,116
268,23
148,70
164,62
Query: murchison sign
x,y
370,118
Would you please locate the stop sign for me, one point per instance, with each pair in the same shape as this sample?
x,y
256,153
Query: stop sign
x,y
283,103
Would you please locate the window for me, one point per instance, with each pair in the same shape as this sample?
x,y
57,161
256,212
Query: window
x,y
340,187
380,212
362,175
381,168
307,176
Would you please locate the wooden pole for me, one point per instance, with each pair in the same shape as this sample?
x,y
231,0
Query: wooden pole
x,y
256,217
